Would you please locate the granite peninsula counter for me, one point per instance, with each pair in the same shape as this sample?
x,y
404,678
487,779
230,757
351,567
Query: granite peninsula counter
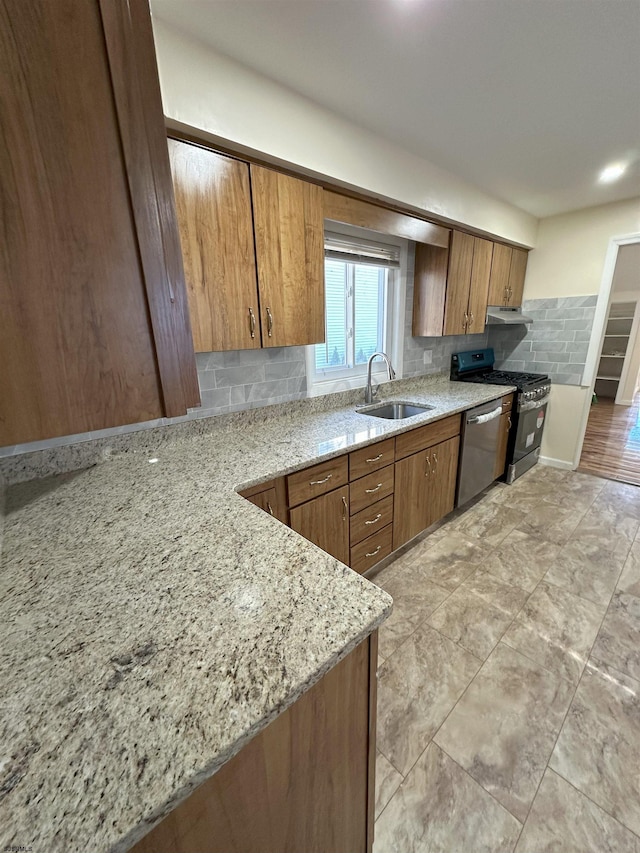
x,y
153,621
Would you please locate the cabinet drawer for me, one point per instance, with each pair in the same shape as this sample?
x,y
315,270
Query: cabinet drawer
x,y
371,458
425,436
507,403
367,490
368,521
371,550
314,481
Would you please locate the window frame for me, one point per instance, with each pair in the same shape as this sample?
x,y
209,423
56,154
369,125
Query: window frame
x,y
342,379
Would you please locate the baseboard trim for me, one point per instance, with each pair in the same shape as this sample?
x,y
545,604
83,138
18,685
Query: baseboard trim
x,y
556,463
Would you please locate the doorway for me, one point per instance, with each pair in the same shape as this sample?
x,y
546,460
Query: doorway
x,y
611,447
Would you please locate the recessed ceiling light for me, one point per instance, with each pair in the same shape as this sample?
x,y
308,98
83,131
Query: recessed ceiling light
x,y
612,172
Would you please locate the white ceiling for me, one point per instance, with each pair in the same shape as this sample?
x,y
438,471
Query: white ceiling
x,y
528,99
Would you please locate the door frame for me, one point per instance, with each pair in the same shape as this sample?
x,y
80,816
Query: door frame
x,y
598,329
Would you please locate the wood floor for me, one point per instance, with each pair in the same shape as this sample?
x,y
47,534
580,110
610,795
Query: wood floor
x,y
612,442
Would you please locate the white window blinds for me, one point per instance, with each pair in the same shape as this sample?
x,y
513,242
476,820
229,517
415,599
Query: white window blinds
x,y
339,247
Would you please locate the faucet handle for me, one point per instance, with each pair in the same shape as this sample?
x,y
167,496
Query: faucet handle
x,y
374,392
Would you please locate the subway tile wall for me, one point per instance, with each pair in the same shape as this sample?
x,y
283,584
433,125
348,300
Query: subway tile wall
x,y
246,379
555,343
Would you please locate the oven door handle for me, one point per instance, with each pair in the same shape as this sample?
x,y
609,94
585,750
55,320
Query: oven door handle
x,y
530,405
483,419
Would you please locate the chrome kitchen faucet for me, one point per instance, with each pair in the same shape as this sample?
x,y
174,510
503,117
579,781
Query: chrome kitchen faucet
x,y
369,392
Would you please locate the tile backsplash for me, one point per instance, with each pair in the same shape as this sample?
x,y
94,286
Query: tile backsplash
x,y
245,379
555,343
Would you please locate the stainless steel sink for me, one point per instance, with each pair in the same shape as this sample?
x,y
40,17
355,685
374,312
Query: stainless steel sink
x,y
395,410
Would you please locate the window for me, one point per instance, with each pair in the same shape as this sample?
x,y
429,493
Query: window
x,y
361,283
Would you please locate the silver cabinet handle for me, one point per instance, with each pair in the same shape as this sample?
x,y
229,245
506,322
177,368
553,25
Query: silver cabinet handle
x,y
319,482
345,511
373,553
465,321
252,323
373,520
435,462
371,491
269,322
508,422
269,508
375,458
427,473
506,295
471,318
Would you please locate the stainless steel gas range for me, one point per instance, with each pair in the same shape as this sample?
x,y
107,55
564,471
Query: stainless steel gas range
x,y
529,411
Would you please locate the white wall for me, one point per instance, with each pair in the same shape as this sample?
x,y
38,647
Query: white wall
x,y
569,261
569,256
205,90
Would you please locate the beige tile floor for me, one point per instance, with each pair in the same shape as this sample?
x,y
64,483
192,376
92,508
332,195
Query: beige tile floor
x,y
509,675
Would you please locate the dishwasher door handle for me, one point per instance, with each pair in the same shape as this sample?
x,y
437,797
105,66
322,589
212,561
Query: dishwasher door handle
x,y
483,419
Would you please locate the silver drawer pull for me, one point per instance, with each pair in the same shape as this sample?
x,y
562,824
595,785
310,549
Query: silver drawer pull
x,y
346,508
373,553
269,322
373,520
371,491
375,458
320,482
269,508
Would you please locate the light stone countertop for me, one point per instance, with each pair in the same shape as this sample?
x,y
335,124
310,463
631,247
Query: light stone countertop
x,y
153,621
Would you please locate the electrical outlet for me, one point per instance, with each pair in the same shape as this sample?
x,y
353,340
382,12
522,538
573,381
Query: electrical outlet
x,y
428,356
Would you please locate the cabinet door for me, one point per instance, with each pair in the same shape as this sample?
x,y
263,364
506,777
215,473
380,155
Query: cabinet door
x,y
411,506
499,279
458,283
213,201
289,235
271,497
479,290
95,328
503,438
517,272
443,465
429,290
325,521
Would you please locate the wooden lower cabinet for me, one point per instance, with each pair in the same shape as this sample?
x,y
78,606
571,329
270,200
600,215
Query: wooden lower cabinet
x,y
325,522
271,497
376,511
305,783
425,489
503,436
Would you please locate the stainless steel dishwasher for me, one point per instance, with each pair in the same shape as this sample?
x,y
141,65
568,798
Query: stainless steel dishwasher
x,y
478,450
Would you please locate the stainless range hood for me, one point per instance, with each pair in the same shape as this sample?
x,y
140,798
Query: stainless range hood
x,y
499,315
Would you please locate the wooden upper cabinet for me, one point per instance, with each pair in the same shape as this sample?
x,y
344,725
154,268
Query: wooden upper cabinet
x,y
450,291
456,315
429,290
517,270
479,290
289,235
507,275
213,202
95,328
